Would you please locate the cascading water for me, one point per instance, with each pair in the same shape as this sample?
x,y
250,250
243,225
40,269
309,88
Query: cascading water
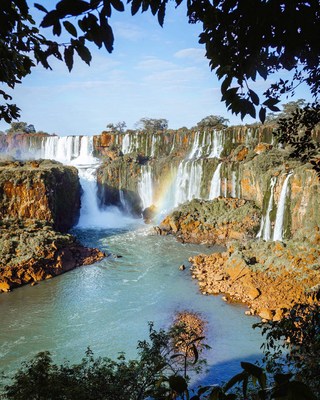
x,y
188,181
145,186
278,227
78,152
215,188
216,144
234,184
265,227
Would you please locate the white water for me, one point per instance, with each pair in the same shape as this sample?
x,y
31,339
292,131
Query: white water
x,y
215,188
78,151
210,146
188,181
265,227
278,227
217,144
145,186
234,184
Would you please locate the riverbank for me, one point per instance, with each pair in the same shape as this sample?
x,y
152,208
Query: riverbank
x,y
270,277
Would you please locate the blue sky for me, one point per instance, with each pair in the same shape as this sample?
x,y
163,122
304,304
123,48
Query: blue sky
x,y
153,72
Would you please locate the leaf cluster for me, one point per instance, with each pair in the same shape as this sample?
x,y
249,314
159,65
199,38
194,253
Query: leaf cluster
x,y
294,343
295,132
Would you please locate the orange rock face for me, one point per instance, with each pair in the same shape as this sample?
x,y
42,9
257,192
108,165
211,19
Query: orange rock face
x,y
269,277
43,191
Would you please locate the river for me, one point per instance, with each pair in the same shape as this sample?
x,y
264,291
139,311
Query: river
x,y
107,305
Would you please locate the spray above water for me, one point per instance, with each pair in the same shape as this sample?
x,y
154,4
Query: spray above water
x,y
78,152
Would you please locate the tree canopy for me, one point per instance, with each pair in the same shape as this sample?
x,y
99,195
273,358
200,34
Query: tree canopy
x,y
213,121
152,124
244,41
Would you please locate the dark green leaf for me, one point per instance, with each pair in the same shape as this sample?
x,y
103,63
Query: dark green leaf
x,y
68,57
252,369
50,19
282,378
235,379
74,7
70,28
178,384
40,7
161,13
254,97
135,6
262,114
57,29
195,353
22,5
117,4
84,53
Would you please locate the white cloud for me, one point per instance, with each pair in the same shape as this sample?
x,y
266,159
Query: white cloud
x,y
128,31
191,53
153,63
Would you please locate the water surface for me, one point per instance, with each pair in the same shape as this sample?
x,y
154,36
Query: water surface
x,y
107,305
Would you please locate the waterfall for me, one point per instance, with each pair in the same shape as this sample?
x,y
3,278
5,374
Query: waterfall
x,y
196,150
278,227
234,184
215,187
145,189
126,144
216,144
265,226
63,149
188,181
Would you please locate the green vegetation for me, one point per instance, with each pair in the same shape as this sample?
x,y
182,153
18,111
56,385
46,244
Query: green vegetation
x,y
161,370
212,122
152,124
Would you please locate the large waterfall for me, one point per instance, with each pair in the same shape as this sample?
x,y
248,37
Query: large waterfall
x,y
78,152
199,170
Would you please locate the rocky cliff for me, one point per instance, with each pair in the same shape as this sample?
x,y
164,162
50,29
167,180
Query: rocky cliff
x,y
37,199
40,190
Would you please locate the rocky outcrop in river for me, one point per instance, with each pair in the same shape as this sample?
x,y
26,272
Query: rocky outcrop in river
x,y
38,199
40,190
31,251
213,222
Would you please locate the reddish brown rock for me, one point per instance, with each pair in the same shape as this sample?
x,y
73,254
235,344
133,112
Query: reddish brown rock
x,y
31,252
269,277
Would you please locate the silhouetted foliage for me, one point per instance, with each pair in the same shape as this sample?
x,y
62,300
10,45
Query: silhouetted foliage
x,y
295,132
161,369
243,40
293,344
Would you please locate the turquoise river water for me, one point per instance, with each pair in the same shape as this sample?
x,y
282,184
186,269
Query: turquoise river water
x,y
107,305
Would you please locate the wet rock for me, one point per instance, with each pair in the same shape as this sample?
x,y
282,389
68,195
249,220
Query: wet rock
x,y
182,267
149,214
